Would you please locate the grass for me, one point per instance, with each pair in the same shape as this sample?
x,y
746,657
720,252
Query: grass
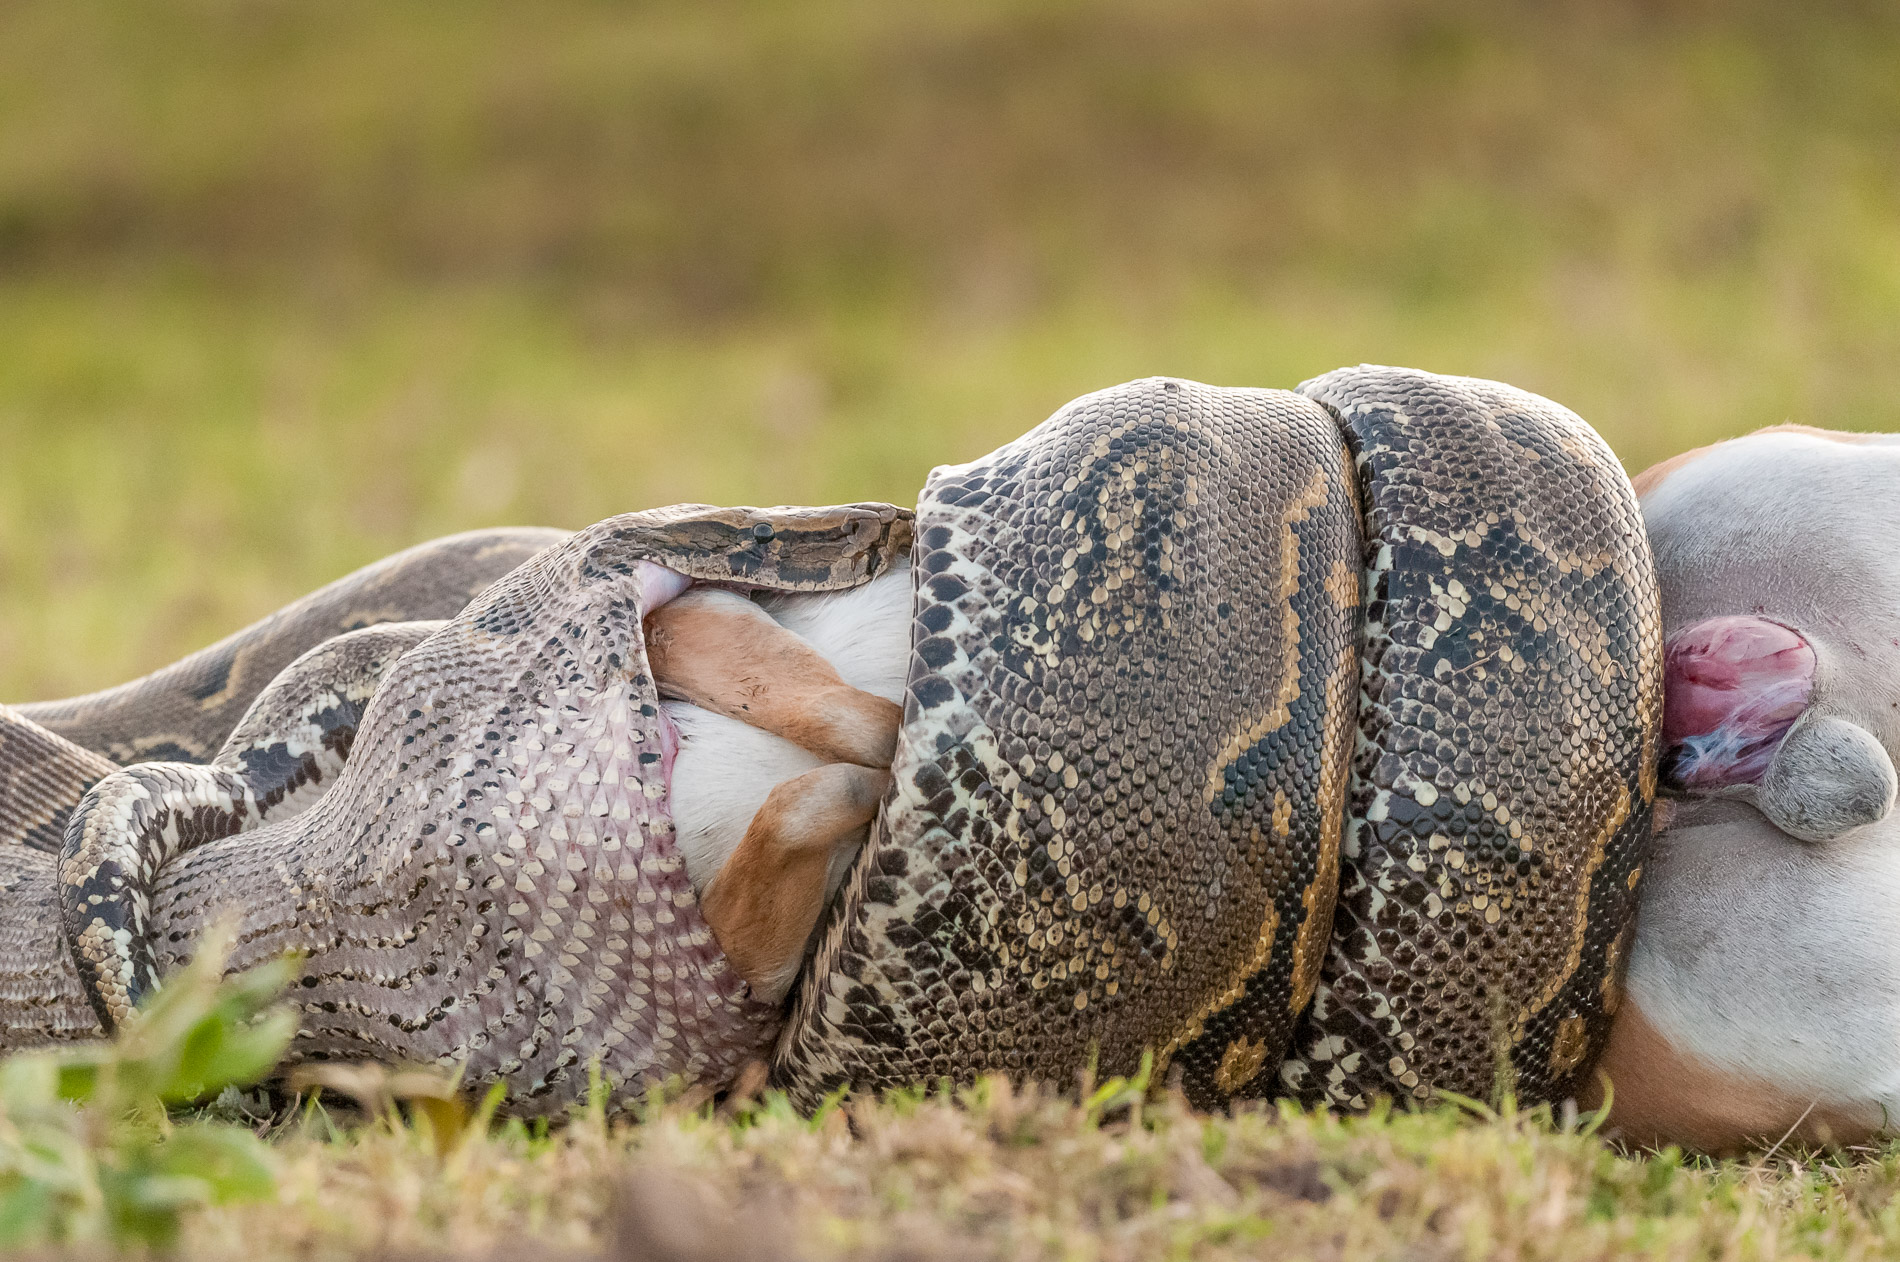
x,y
284,287
89,1158
996,1173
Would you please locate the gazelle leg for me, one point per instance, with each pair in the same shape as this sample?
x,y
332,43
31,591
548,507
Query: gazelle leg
x,y
765,901
720,651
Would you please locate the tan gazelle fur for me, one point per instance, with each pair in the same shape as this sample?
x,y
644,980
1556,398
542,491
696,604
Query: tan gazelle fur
x,y
786,727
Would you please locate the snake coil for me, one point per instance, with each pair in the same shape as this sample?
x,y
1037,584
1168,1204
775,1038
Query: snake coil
x,y
1141,804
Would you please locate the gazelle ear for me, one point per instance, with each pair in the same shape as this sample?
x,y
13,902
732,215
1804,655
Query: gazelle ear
x,y
1828,776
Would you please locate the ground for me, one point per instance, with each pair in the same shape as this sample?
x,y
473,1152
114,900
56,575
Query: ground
x,y
285,287
1000,1174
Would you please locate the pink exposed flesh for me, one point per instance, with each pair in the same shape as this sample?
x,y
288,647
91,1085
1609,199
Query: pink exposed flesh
x,y
669,749
1733,686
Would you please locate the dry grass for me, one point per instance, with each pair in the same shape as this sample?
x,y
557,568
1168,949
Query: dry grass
x,y
996,1174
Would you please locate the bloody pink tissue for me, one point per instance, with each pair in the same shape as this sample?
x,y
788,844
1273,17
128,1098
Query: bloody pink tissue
x,y
1733,686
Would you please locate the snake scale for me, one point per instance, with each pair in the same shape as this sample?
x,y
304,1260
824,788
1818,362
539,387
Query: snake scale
x,y
1306,740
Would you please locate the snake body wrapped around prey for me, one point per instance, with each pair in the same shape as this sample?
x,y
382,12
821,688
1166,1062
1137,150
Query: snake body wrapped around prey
x,y
1191,666
491,878
1306,740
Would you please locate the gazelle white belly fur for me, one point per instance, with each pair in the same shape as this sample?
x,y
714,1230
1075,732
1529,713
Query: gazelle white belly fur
x,y
725,767
1763,992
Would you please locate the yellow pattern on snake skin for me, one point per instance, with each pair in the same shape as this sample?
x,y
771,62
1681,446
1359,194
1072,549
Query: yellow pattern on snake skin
x,y
1496,806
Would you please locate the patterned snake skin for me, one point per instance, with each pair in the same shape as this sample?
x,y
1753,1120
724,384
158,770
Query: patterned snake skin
x,y
52,752
184,712
491,879
290,747
1116,818
1190,666
1504,774
1128,752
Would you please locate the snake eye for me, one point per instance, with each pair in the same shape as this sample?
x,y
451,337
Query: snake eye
x,y
763,531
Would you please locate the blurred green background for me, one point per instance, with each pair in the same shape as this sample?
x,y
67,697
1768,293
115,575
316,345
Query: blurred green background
x,y
285,286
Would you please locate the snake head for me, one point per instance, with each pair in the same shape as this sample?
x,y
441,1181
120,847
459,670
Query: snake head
x,y
1740,720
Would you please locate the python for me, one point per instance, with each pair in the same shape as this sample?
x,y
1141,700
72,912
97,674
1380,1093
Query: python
x,y
1306,739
